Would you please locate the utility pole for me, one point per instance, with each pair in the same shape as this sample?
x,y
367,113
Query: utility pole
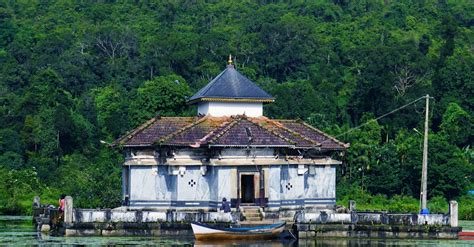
x,y
424,172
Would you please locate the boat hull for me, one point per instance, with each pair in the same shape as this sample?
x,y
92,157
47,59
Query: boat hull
x,y
466,235
202,232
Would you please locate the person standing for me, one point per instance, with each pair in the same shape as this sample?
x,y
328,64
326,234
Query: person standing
x,y
225,205
62,202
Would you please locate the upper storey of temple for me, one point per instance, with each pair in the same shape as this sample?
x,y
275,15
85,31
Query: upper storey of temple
x,y
230,111
231,93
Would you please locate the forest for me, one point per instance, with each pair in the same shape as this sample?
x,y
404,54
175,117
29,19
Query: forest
x,y
76,75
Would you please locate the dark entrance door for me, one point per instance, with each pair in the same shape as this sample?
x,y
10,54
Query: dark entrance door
x,y
248,189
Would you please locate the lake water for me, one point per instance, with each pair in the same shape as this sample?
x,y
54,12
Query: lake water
x,y
19,230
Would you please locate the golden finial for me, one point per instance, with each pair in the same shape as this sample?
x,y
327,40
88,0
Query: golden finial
x,y
229,62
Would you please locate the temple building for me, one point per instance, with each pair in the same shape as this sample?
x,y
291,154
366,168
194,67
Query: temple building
x,y
229,150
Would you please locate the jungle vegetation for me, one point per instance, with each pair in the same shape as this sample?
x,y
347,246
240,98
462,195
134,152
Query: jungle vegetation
x,y
73,73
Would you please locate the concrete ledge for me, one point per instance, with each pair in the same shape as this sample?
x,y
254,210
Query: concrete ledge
x,y
371,218
327,218
307,230
130,232
128,229
112,216
82,232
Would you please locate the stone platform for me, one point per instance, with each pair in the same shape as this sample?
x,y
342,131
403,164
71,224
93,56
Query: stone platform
x,y
303,223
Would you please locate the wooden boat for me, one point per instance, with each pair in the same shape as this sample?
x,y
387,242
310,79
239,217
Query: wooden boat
x,y
466,235
206,232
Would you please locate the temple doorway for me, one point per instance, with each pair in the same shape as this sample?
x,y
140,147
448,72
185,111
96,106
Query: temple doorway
x,y
247,185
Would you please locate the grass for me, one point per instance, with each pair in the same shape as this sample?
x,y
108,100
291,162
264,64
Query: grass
x,y
407,204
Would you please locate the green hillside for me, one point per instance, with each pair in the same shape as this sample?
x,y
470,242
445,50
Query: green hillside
x,y
74,73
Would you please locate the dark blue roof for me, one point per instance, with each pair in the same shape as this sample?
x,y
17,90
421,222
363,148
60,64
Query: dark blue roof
x,y
230,84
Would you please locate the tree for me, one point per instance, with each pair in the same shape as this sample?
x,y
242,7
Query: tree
x,y
362,155
111,103
449,169
454,82
457,125
295,100
164,95
385,175
72,74
7,29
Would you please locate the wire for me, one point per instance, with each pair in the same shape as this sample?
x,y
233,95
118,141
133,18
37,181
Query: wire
x,y
417,111
375,119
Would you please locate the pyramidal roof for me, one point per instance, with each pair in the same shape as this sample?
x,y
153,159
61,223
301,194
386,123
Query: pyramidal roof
x,y
233,131
231,86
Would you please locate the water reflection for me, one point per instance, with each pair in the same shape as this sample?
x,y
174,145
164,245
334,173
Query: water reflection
x,y
337,242
16,230
249,243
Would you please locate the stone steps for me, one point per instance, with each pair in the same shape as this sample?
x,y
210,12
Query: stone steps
x,y
287,219
253,218
252,214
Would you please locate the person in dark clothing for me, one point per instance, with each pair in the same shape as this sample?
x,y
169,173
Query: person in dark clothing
x,y
225,205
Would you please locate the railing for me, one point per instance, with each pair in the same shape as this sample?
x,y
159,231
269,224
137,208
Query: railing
x,y
45,215
371,218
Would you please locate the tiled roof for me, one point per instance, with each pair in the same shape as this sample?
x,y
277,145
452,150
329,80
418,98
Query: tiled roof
x,y
233,86
239,131
154,129
245,133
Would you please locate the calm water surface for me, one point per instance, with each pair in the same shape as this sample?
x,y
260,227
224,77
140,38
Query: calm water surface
x,y
19,230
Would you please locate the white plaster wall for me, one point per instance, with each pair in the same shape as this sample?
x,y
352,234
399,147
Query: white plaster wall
x,y
219,109
143,183
323,184
330,218
218,217
199,191
230,153
124,181
224,184
95,216
274,190
289,174
166,185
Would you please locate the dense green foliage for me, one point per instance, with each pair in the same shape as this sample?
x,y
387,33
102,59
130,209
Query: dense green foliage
x,y
74,73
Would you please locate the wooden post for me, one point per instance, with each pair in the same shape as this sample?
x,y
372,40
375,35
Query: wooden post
x,y
262,188
453,213
36,208
36,202
68,209
237,204
352,205
424,172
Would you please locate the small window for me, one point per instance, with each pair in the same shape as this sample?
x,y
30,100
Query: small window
x,y
289,186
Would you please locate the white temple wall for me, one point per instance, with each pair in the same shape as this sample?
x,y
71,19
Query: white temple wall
x,y
125,178
322,184
250,153
151,186
291,183
219,109
167,186
225,185
143,183
274,188
193,186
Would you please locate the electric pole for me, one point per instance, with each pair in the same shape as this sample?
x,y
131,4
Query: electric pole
x,y
424,172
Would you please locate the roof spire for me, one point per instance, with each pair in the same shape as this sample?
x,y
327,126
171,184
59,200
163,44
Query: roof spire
x,y
230,63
